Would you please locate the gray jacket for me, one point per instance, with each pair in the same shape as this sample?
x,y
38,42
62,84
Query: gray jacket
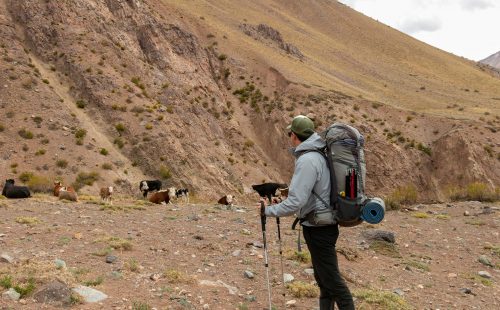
x,y
311,173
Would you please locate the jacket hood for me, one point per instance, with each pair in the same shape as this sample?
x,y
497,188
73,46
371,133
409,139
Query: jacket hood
x,y
314,142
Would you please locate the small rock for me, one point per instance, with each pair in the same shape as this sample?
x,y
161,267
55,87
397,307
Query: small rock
x,y
89,294
60,264
206,306
55,291
484,274
452,275
62,147
245,231
466,213
155,276
287,277
420,286
398,291
236,253
11,294
6,258
466,290
250,298
248,274
483,259
309,271
111,259
375,234
258,244
116,275
291,303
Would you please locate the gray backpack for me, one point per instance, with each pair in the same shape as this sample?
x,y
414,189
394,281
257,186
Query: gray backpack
x,y
346,161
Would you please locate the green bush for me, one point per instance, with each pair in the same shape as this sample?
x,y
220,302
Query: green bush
x,y
26,176
107,166
85,178
80,133
475,191
104,152
62,163
81,104
165,172
120,127
26,134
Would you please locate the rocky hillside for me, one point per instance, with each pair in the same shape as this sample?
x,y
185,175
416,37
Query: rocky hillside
x,y
198,93
493,60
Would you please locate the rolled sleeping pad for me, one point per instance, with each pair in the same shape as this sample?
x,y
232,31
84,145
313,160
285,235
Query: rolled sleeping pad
x,y
373,211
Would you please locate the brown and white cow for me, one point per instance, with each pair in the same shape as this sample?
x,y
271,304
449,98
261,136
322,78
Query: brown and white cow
x,y
58,187
226,200
160,197
106,193
68,195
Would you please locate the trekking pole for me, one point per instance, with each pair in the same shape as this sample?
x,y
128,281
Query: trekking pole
x,y
299,246
263,223
281,259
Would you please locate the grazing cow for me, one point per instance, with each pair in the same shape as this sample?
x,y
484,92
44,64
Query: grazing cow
x,y
106,193
58,187
68,195
171,194
148,186
268,190
184,193
13,191
226,200
160,196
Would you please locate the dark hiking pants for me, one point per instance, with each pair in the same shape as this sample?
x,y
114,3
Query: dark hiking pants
x,y
333,290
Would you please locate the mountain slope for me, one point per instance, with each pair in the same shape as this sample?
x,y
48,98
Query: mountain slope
x,y
198,93
493,60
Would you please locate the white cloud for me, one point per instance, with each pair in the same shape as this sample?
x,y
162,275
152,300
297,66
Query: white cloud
x,y
476,4
411,26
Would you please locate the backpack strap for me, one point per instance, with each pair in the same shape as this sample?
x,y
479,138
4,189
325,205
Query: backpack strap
x,y
333,180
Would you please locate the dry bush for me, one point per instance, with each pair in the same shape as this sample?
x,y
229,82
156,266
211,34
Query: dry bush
x,y
476,191
404,195
40,184
175,276
300,289
380,299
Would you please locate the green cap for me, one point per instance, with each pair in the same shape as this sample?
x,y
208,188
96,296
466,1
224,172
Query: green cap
x,y
302,126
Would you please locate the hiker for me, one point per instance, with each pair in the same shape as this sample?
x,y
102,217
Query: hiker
x,y
312,174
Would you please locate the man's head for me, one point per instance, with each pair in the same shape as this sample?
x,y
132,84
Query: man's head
x,y
302,127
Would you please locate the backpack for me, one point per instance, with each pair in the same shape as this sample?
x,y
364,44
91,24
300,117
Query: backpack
x,y
345,157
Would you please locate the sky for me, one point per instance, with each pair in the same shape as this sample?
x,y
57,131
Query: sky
x,y
468,28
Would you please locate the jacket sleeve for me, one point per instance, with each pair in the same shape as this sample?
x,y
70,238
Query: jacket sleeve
x,y
301,186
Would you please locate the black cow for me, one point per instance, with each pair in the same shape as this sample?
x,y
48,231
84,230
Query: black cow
x,y
148,186
268,190
13,191
182,192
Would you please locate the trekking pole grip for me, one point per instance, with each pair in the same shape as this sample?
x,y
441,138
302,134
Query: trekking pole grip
x,y
262,214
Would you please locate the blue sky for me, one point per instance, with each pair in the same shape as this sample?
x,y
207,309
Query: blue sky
x,y
468,28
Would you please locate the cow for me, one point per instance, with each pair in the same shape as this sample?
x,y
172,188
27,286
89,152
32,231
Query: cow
x,y
106,193
268,190
171,194
226,200
14,191
146,186
58,187
160,196
68,195
184,193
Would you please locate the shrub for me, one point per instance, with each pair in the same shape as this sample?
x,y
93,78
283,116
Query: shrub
x,y
85,178
401,196
40,184
107,166
380,299
40,152
119,142
120,128
26,134
475,191
81,104
149,126
301,289
80,133
104,152
165,172
26,176
62,163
